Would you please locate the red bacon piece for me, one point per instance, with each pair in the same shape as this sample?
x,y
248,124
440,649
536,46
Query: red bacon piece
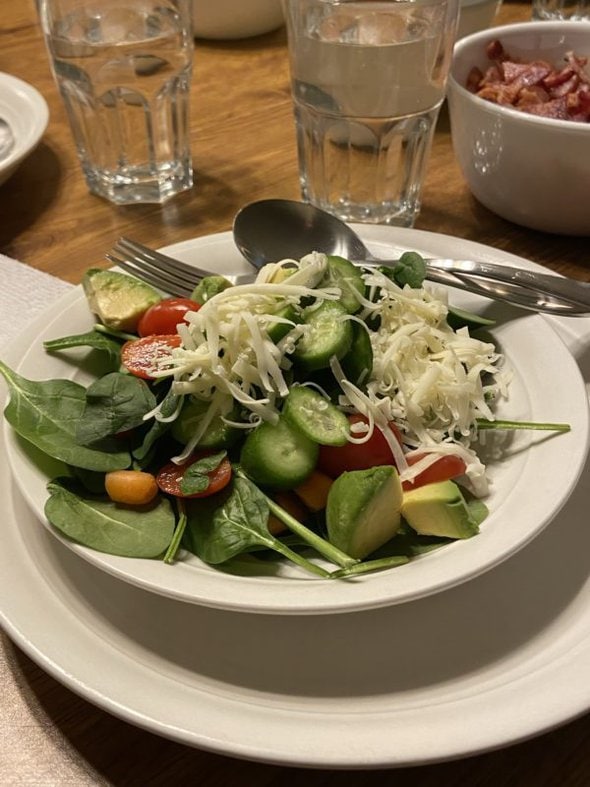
x,y
535,87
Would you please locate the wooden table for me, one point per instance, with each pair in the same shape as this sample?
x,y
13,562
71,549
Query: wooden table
x,y
244,149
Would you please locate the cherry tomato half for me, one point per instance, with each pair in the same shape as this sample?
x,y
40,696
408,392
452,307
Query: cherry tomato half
x,y
445,468
335,460
139,356
169,477
163,317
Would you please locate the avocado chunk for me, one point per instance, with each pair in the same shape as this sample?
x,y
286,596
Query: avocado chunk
x,y
117,299
439,509
208,287
363,510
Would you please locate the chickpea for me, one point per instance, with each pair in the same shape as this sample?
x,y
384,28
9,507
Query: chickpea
x,y
131,487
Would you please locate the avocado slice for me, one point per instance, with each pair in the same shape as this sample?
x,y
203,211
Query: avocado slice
x,y
439,509
363,510
117,299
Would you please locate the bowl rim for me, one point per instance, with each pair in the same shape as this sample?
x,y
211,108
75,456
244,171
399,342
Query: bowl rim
x,y
30,101
484,36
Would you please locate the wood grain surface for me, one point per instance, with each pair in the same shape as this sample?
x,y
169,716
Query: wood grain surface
x,y
243,146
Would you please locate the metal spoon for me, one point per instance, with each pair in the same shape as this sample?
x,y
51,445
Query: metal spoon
x,y
6,139
271,230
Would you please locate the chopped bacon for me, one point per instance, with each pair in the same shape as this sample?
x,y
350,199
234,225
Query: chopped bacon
x,y
555,108
535,87
532,95
495,51
565,87
474,79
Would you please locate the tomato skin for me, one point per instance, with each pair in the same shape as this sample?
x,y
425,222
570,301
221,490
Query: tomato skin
x,y
163,317
444,469
168,477
335,460
138,356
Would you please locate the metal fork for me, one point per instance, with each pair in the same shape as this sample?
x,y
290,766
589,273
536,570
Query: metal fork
x,y
498,282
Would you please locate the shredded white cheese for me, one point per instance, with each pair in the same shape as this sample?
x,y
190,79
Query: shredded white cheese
x,y
426,377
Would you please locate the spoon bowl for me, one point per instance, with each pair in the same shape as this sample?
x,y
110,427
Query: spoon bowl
x,y
274,229
277,229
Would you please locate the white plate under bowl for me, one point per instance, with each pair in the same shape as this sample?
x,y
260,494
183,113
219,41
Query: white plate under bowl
x,y
480,666
26,112
529,486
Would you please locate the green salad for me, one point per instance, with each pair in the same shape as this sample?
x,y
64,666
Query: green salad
x,y
325,414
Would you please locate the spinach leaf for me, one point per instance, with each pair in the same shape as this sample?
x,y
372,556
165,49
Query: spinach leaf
x,y
95,339
46,414
477,508
410,269
101,524
114,403
222,526
158,428
195,478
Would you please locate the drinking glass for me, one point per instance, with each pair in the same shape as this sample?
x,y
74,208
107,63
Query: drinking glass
x,y
561,9
123,68
368,78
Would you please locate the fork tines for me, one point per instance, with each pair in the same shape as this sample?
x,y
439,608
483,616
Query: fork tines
x,y
165,273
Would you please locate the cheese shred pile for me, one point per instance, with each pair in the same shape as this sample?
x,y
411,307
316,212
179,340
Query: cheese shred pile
x,y
431,381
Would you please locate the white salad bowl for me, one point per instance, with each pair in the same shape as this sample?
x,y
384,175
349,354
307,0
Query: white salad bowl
x,y
531,170
531,476
234,19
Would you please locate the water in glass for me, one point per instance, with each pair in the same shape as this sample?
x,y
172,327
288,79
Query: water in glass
x,y
123,69
368,81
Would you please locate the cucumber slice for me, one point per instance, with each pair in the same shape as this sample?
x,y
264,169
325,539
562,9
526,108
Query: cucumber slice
x,y
316,417
278,330
217,435
348,278
278,455
459,318
329,333
357,364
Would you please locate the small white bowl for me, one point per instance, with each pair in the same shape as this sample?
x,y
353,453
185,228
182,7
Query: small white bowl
x,y
476,15
232,19
26,112
531,170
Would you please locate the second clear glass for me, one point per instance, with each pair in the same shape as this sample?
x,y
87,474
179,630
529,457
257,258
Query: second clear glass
x,y
368,79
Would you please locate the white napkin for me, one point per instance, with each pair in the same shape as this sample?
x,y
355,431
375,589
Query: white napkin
x,y
24,293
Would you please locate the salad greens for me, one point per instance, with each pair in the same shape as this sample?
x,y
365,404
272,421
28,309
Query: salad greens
x,y
103,525
47,415
290,416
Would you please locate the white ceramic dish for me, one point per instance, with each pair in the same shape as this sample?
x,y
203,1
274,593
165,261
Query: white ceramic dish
x,y
536,469
476,15
233,19
481,666
530,170
26,112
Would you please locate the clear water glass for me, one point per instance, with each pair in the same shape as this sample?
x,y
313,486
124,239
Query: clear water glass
x,y
123,68
368,79
575,10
